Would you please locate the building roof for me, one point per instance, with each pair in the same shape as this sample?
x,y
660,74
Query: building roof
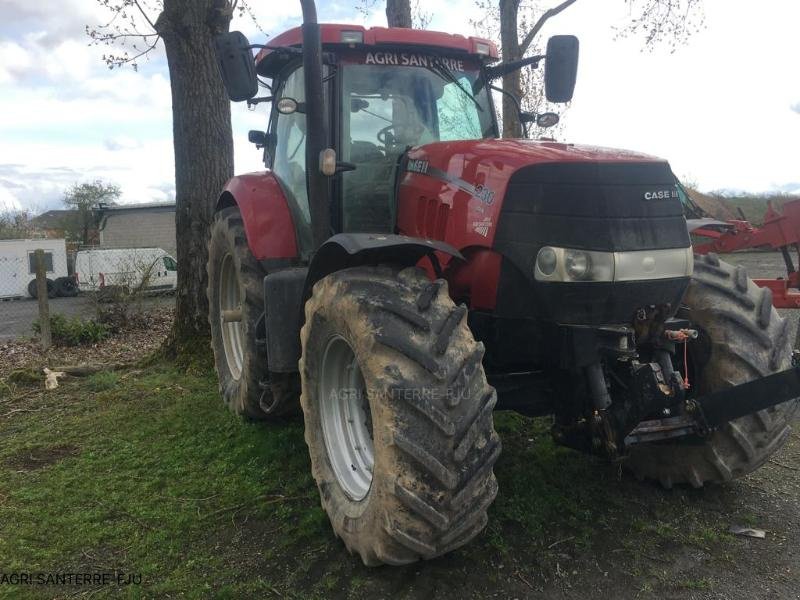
x,y
140,206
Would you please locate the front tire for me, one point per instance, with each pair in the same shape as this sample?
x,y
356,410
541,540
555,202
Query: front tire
x,y
742,338
398,414
236,302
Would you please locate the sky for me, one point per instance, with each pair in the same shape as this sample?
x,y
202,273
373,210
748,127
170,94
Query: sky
x,y
724,108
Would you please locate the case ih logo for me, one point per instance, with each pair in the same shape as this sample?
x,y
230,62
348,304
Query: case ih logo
x,y
661,195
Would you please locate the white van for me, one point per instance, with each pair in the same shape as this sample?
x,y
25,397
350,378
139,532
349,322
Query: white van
x,y
18,265
150,269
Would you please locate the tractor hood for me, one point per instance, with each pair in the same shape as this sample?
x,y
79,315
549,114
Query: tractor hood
x,y
519,153
464,184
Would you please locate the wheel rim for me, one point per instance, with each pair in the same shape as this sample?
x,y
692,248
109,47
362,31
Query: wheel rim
x,y
230,300
346,418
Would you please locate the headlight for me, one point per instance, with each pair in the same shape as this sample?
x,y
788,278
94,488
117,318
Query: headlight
x,y
572,265
546,260
578,263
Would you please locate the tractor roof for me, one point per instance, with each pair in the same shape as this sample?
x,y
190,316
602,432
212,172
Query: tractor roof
x,y
270,62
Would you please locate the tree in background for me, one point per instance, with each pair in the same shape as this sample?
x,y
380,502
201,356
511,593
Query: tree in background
x,y
201,126
517,24
85,199
15,225
399,13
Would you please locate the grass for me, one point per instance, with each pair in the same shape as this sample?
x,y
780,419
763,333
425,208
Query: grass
x,y
144,472
158,468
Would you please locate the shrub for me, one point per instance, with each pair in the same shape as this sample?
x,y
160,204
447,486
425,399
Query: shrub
x,y
74,332
114,316
25,376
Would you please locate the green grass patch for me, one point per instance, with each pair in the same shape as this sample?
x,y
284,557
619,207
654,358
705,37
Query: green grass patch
x,y
100,382
695,584
547,489
158,478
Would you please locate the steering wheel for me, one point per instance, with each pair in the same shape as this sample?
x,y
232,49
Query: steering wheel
x,y
385,136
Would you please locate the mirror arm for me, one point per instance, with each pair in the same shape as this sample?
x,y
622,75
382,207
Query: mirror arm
x,y
515,100
253,101
342,166
508,67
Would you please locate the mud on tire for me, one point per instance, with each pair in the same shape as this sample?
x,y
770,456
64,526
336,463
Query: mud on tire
x,y
432,431
247,387
742,338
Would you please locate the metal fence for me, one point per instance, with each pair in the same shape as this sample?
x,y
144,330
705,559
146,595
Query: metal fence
x,y
118,298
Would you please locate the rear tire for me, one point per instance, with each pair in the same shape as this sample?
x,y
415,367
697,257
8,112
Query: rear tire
x,y
742,338
235,281
398,414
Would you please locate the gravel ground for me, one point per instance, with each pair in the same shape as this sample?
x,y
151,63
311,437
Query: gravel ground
x,y
16,316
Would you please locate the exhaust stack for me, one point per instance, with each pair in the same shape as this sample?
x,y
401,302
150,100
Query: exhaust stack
x,y
316,130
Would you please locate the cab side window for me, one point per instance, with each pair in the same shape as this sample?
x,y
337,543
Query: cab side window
x,y
170,264
289,156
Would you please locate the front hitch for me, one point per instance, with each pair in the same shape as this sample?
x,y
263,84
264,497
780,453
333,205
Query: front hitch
x,y
704,414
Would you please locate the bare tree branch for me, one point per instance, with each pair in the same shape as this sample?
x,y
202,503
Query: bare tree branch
x,y
552,12
113,60
144,14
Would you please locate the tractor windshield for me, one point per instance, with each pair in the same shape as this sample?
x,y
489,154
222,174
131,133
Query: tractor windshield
x,y
388,107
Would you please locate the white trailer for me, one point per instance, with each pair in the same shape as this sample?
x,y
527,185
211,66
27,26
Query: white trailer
x,y
18,264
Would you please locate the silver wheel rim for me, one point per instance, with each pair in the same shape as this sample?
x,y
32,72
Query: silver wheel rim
x,y
230,300
346,418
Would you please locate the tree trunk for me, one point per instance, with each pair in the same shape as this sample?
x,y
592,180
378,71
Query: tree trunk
x,y
509,42
398,13
203,144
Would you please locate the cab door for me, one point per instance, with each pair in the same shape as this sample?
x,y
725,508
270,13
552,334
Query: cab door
x,y
287,152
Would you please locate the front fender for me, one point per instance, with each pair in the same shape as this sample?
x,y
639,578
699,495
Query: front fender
x,y
346,250
268,222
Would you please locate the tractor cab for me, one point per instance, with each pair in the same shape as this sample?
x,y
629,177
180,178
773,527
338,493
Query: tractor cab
x,y
384,94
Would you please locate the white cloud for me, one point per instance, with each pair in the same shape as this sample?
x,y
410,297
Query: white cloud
x,y
8,201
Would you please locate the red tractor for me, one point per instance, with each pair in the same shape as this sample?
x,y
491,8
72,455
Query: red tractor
x,y
410,273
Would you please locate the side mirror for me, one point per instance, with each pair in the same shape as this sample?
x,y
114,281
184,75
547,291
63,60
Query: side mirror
x,y
561,68
543,120
236,65
259,138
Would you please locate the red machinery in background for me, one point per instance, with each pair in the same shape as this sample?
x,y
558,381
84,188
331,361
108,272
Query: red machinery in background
x,y
780,231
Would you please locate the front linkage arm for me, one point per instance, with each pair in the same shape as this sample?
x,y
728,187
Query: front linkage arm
x,y
706,413
720,407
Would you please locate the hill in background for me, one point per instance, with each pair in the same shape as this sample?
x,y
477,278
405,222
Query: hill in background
x,y
736,206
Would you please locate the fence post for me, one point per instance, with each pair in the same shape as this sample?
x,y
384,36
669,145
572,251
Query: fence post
x,y
41,294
